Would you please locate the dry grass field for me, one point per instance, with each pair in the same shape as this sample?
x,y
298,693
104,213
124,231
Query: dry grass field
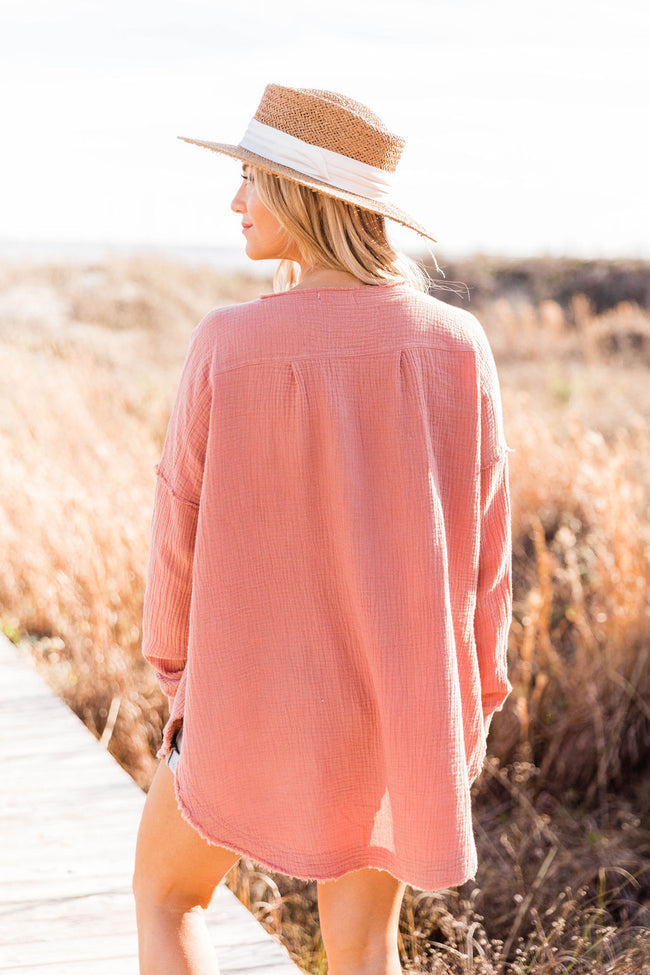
x,y
90,359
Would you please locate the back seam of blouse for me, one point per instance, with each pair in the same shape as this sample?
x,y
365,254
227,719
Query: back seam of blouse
x,y
326,356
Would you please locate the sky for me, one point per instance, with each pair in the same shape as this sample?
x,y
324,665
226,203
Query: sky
x,y
526,123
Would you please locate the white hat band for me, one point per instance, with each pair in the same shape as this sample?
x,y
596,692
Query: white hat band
x,y
330,167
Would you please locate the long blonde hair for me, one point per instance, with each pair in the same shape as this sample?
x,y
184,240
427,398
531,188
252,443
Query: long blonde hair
x,y
333,233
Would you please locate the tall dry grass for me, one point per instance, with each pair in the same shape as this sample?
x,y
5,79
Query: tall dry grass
x,y
91,357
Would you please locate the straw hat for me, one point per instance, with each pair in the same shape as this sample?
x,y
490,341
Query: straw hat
x,y
326,141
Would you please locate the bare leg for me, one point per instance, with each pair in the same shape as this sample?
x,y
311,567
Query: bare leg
x,y
359,919
176,873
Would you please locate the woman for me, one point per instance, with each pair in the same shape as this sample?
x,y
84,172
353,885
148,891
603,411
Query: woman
x,y
328,594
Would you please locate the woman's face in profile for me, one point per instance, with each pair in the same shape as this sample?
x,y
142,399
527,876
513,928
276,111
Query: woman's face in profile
x,y
266,238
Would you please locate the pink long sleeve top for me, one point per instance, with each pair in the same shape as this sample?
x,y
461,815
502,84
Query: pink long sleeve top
x,y
329,590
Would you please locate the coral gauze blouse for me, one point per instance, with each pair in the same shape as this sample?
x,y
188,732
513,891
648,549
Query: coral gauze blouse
x,y
329,593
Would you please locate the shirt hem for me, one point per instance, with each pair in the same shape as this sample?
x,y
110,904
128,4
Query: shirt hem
x,y
372,858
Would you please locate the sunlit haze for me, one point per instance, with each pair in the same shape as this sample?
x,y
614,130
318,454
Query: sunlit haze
x,y
526,123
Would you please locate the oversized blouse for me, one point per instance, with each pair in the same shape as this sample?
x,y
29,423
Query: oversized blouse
x,y
329,584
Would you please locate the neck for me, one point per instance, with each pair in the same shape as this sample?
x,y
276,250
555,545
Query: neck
x,y
326,277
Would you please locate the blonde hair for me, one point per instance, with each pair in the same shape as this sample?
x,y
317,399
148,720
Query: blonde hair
x,y
333,233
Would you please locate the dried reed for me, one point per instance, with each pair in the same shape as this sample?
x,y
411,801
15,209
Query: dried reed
x,y
90,359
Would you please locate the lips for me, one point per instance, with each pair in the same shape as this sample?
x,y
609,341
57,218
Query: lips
x,y
245,227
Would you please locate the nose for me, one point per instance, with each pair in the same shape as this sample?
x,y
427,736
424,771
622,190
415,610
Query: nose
x,y
238,205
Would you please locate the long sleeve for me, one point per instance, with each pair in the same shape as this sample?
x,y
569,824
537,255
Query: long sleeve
x,y
494,588
168,595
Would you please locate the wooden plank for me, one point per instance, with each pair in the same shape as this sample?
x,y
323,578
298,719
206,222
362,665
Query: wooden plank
x,y
69,817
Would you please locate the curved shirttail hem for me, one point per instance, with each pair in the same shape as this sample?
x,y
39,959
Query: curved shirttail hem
x,y
353,862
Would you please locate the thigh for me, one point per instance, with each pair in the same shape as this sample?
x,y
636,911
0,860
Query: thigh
x,y
174,865
360,908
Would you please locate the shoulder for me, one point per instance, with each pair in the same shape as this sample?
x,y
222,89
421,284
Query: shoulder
x,y
460,331
454,327
465,332
219,335
219,323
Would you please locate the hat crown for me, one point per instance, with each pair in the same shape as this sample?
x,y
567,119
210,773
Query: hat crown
x,y
331,121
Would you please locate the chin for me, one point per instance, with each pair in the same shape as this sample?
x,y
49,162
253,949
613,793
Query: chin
x,y
254,254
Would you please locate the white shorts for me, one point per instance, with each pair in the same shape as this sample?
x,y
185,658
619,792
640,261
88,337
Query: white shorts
x,y
174,753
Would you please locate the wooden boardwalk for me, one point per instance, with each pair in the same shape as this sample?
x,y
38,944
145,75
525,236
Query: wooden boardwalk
x,y
68,818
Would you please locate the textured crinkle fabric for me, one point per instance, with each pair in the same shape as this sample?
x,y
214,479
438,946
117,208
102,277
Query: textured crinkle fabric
x,y
329,584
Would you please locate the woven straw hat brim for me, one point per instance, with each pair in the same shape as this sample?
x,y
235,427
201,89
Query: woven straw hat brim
x,y
376,206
